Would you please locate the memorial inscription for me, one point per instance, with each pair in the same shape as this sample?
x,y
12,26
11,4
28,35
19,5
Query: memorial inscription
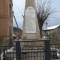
x,y
30,20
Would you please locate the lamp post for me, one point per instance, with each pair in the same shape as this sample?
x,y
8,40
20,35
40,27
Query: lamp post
x,y
46,25
46,28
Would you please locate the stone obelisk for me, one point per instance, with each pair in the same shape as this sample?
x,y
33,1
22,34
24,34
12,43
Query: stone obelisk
x,y
30,24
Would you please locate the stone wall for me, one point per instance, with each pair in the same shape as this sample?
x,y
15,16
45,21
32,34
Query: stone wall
x,y
4,41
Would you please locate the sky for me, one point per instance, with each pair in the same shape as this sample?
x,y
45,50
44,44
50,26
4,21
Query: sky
x,y
19,6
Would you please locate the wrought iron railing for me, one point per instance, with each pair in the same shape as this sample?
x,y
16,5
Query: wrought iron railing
x,y
29,50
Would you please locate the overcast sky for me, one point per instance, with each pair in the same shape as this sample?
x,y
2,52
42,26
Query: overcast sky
x,y
18,7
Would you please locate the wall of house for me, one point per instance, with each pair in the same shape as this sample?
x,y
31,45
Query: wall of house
x,y
6,18
55,31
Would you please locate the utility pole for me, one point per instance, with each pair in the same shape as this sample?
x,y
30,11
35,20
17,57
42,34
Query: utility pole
x,y
15,21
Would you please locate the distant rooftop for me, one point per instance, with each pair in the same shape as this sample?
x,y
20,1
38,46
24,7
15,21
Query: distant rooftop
x,y
52,27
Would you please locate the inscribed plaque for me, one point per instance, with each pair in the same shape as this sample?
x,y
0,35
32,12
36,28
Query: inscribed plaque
x,y
30,20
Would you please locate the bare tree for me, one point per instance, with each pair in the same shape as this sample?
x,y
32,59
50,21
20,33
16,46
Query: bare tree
x,y
44,10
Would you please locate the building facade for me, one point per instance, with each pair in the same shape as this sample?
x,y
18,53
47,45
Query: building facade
x,y
17,32
6,19
52,29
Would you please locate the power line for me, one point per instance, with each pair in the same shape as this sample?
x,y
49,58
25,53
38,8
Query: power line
x,y
17,7
19,10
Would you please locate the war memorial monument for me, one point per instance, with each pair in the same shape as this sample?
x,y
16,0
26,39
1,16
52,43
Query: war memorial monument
x,y
32,44
30,24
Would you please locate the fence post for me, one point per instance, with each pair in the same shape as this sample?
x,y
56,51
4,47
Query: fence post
x,y
18,51
47,50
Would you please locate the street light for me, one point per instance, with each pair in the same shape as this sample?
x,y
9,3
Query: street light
x,y
46,25
46,28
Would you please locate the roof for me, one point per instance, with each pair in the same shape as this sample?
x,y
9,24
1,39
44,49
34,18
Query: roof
x,y
17,29
14,35
52,27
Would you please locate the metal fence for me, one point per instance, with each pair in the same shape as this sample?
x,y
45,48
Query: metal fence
x,y
7,53
29,50
32,50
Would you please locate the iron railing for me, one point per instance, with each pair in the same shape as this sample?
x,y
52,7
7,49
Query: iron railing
x,y
7,53
29,50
